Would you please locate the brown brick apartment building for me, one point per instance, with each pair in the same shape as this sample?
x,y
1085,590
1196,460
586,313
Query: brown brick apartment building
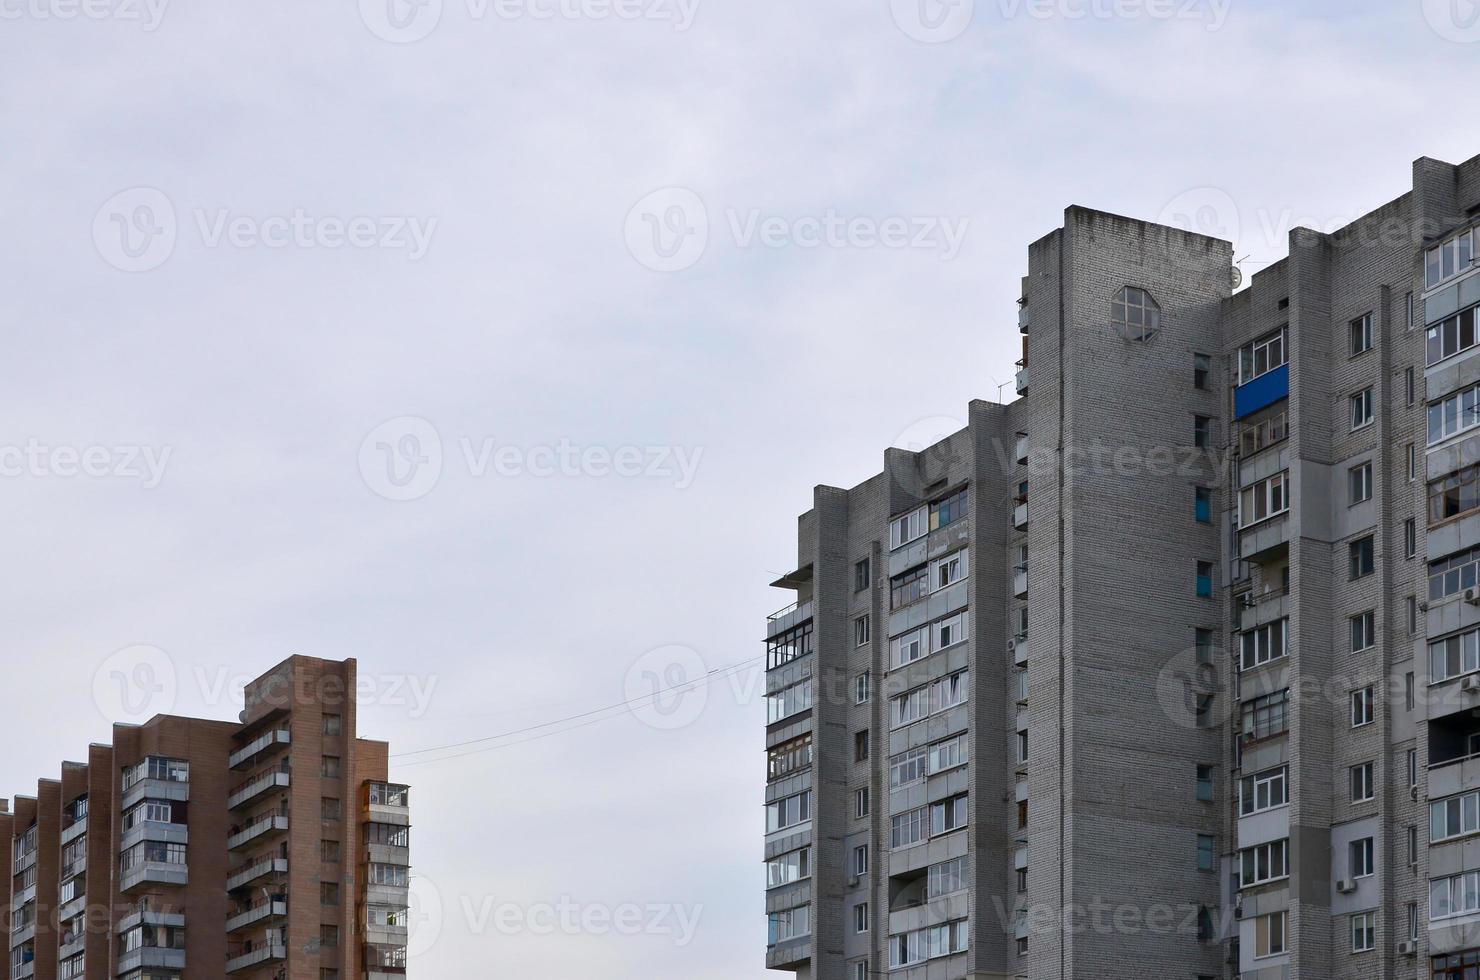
x,y
272,847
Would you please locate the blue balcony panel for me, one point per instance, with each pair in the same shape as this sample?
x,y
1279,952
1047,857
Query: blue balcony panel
x,y
1262,392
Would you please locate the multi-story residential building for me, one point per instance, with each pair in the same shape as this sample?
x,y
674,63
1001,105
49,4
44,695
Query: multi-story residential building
x,y
1171,667
272,847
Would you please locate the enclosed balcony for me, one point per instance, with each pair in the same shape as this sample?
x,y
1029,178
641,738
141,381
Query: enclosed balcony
x,y
264,828
1020,513
791,616
385,962
263,912
1022,378
259,746
254,788
1020,580
388,803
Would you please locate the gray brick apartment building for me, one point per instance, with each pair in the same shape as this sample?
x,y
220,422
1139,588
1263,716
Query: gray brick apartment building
x,y
1171,667
269,848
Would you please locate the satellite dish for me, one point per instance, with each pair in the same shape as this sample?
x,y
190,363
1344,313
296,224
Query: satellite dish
x,y
1238,278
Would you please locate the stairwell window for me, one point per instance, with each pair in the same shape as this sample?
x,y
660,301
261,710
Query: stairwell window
x,y
1202,505
1361,334
1202,431
1207,852
1361,409
1205,579
1361,558
1410,538
1202,371
1135,314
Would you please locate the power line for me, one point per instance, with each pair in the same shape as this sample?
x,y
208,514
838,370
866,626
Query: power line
x,y
712,675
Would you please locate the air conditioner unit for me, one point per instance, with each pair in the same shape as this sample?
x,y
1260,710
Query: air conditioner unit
x,y
1238,911
1408,948
1470,683
1011,645
1413,792
1346,886
1472,596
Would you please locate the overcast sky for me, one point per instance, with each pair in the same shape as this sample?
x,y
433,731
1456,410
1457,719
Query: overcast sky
x,y
501,351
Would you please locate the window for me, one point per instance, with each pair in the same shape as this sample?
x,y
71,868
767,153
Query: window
x,y
1448,259
789,757
860,917
1022,879
1135,314
1022,747
787,868
909,647
1456,494
1205,783
1262,356
786,813
948,815
948,632
1452,575
786,647
1361,782
1362,707
1359,483
1410,538
948,510
1360,857
1207,852
1454,895
929,943
1202,370
907,828
329,936
860,746
1202,505
1202,431
329,767
906,528
1454,656
333,725
1450,336
789,924
1364,932
1361,334
861,576
949,753
1412,917
1412,844
1269,934
1454,414
1022,814
1265,716
1202,641
1408,691
1264,499
934,697
330,809
1262,644
945,878
906,588
1264,863
1361,408
908,767
154,767
948,570
860,802
789,701
1410,388
862,687
1263,791
1411,759
1408,312
860,860
1361,560
1454,816
1262,434
860,970
1412,614
860,631
1205,579
1204,710
1364,630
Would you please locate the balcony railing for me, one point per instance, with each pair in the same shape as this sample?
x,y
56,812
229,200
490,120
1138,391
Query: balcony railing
x,y
266,953
271,824
262,743
261,912
249,873
250,790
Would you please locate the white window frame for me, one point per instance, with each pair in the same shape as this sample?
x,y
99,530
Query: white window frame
x,y
947,570
1363,630
1264,500
1361,334
860,860
1467,645
788,868
1466,415
1465,807
1364,932
1359,483
1248,357
1361,777
1363,705
1367,848
1454,895
1277,939
1271,781
908,527
862,630
1363,410
1459,250
862,687
1276,863
1267,642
